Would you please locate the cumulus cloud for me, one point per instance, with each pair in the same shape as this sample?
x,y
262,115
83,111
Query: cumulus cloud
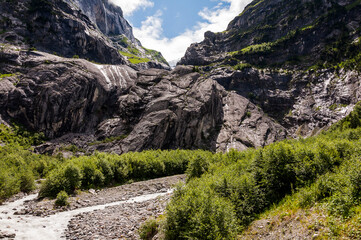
x,y
215,19
129,6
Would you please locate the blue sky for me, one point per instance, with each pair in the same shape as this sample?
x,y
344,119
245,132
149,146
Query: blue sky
x,y
178,16
170,26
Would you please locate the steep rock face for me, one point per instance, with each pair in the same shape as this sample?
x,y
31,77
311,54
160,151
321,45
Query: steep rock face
x,y
92,30
280,33
110,21
299,61
108,17
302,102
56,95
114,108
245,125
54,27
249,97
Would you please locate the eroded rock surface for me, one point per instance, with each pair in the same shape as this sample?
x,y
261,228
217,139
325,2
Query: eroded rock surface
x,y
85,103
263,91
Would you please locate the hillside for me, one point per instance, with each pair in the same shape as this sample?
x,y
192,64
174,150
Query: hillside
x,y
93,30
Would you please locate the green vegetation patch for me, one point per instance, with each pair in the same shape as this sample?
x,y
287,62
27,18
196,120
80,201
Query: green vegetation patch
x,y
18,134
104,169
7,75
155,55
133,58
264,47
242,66
242,185
19,167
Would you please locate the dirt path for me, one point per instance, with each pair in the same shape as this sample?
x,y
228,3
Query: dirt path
x,y
113,213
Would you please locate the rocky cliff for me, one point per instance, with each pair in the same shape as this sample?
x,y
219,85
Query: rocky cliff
x,y
297,60
114,108
108,18
281,69
288,34
54,27
89,30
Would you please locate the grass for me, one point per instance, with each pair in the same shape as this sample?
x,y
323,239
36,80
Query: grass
x,y
155,55
242,66
133,58
7,75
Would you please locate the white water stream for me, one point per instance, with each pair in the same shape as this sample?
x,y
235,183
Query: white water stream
x,y
50,227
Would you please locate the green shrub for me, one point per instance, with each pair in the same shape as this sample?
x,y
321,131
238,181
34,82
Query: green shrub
x,y
72,178
27,183
66,179
197,166
196,212
62,199
148,229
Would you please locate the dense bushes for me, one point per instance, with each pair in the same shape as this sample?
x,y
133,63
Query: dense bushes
x,y
243,185
340,189
103,169
198,213
19,167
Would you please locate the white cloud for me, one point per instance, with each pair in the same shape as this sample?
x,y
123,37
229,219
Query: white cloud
x,y
129,6
215,20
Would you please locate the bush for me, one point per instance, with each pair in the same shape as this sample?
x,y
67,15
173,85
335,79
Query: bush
x,y
197,166
72,178
27,183
196,212
148,229
66,179
62,199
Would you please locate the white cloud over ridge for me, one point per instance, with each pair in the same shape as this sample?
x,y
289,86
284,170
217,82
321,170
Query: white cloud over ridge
x,y
215,20
129,6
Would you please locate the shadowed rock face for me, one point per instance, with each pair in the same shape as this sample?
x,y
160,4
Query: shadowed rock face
x,y
280,33
117,108
266,54
56,95
55,27
81,102
92,30
108,17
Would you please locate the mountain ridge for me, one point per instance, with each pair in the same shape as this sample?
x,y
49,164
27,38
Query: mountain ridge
x,y
234,102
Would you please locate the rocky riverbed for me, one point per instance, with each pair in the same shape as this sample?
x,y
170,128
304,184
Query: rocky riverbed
x,y
112,213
